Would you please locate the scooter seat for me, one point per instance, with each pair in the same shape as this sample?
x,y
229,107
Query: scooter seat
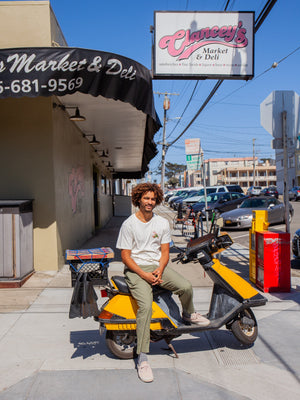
x,y
121,284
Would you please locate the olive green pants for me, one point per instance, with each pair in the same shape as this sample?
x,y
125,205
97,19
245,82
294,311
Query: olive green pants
x,y
141,290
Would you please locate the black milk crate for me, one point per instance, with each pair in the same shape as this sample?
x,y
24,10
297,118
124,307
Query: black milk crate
x,y
94,262
96,272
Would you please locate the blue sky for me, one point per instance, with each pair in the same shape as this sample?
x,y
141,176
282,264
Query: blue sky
x,y
231,120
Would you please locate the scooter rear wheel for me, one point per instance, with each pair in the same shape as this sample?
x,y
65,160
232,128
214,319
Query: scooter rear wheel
x,y
121,344
245,328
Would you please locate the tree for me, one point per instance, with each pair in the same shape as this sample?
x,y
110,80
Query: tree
x,y
172,169
172,172
173,181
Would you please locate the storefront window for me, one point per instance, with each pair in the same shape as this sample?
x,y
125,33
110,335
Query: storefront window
x,y
103,184
108,186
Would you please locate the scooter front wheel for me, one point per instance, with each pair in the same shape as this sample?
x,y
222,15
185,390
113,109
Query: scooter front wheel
x,y
245,327
121,344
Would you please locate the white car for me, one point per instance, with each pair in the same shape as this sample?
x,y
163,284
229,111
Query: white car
x,y
211,189
254,191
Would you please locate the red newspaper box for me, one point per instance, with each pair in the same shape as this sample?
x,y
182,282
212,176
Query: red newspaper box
x,y
273,261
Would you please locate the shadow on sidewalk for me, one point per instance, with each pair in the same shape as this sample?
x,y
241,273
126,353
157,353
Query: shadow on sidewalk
x,y
88,343
107,237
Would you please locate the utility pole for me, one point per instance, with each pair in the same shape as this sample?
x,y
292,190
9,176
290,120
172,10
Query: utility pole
x,y
253,162
204,185
285,171
164,143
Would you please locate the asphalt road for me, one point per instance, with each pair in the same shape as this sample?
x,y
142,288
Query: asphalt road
x,y
242,236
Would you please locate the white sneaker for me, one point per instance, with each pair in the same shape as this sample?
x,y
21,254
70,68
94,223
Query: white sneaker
x,y
197,319
145,372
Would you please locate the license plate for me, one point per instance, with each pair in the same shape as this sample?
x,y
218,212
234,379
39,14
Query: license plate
x,y
227,222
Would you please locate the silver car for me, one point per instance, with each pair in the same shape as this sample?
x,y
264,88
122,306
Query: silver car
x,y
254,191
242,217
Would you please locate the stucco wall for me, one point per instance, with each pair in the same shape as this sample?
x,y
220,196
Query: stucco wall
x,y
105,209
73,176
26,169
28,24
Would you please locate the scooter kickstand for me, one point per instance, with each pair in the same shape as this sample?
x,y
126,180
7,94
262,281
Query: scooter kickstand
x,y
172,348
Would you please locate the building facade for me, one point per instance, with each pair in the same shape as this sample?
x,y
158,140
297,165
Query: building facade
x,y
49,158
241,171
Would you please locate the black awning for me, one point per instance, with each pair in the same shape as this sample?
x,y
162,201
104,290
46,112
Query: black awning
x,y
48,71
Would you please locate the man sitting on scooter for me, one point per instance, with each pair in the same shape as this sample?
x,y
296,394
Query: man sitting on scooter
x,y
144,240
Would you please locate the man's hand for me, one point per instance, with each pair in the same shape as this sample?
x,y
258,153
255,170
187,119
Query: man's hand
x,y
152,277
158,274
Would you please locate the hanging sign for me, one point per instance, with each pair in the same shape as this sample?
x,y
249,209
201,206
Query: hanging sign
x,y
47,71
201,45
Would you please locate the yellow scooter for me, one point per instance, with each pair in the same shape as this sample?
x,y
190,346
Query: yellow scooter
x,y
231,302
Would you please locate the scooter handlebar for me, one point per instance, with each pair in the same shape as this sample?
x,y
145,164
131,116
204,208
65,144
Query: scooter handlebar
x,y
201,249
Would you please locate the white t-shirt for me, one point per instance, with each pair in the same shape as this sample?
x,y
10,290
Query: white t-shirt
x,y
144,238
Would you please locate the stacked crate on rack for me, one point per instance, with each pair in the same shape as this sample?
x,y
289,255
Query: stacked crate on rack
x,y
95,262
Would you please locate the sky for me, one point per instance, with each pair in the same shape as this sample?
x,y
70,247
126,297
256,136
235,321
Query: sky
x,y
231,120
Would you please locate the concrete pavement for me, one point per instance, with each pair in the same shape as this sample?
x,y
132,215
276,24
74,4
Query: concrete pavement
x,y
45,355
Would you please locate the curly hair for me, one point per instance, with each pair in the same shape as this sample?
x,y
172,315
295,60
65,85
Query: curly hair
x,y
142,188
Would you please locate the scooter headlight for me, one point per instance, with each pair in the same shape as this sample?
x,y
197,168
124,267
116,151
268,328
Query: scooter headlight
x,y
105,315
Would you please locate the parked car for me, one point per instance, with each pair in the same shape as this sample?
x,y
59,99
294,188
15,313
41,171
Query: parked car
x,y
270,191
197,197
234,188
296,244
254,190
294,193
242,216
170,194
210,189
219,202
175,202
176,194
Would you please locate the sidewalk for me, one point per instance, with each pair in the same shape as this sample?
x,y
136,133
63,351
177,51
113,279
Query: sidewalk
x,y
45,355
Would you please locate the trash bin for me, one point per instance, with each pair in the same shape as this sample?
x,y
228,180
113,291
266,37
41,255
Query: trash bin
x,y
16,239
273,261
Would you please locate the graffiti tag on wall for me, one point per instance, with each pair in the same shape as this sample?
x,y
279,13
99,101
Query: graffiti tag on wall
x,y
76,187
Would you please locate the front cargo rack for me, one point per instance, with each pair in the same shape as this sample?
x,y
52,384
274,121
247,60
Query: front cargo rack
x,y
94,262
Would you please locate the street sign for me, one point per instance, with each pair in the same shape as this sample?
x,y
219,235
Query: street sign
x,y
271,113
192,146
193,162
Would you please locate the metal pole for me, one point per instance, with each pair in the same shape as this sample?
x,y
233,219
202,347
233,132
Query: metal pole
x,y
253,162
164,144
204,184
163,157
285,169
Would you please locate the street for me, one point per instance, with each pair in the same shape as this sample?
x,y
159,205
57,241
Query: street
x,y
242,236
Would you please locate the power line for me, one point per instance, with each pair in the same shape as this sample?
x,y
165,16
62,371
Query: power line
x,y
262,16
274,65
192,95
188,103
